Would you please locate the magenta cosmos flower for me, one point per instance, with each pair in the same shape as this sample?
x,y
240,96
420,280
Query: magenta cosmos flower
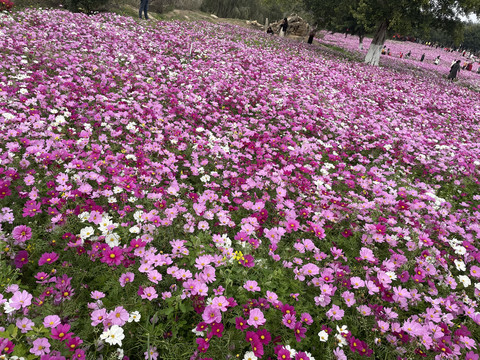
x,y
47,258
6,346
112,256
61,332
21,259
22,233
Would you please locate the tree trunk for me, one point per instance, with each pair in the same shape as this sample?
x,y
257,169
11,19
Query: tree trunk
x,y
375,49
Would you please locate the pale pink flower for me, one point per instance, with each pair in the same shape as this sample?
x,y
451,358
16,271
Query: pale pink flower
x,y
256,318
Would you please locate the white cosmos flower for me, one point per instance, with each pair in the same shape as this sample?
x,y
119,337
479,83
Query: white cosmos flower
x,y
84,216
112,240
134,316
134,229
460,265
86,232
323,335
249,355
113,336
465,280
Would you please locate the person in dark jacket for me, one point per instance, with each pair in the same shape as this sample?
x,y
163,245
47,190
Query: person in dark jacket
x,y
454,70
423,57
143,8
311,35
284,27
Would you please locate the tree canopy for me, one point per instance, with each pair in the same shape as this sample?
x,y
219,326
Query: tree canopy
x,y
403,16
252,9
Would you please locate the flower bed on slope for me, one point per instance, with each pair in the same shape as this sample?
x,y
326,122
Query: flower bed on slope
x,y
425,68
190,190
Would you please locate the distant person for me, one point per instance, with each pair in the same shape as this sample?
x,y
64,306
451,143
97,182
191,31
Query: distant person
x,y
470,66
384,51
422,58
388,52
454,70
311,35
437,60
143,8
284,27
269,30
408,54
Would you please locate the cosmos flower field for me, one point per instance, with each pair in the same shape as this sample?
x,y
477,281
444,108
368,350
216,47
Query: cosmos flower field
x,y
426,68
176,190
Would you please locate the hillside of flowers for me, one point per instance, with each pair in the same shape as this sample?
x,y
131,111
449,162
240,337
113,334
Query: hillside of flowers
x,y
186,190
399,50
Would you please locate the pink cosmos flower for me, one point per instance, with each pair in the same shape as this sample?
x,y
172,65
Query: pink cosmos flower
x,y
471,356
97,295
306,318
119,316
383,326
292,225
251,285
22,233
149,293
20,299
256,318
166,295
335,313
41,346
413,328
349,298
126,278
154,276
24,324
475,271
212,314
98,316
271,297
220,302
51,321
367,254
151,354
